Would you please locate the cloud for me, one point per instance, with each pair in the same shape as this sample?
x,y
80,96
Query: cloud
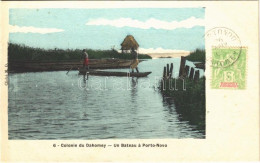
x,y
150,23
30,29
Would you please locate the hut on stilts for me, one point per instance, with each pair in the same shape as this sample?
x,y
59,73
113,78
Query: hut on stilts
x,y
129,43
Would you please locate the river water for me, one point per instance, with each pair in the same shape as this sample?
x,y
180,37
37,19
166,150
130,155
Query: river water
x,y
57,105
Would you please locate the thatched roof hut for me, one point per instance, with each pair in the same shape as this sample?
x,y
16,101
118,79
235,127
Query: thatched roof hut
x,y
129,43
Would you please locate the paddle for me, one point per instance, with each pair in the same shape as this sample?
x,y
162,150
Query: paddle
x,y
69,70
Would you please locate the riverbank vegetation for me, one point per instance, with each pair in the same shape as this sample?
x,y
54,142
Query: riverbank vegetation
x,y
189,97
189,100
197,55
17,52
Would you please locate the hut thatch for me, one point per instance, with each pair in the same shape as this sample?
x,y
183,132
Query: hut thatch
x,y
129,43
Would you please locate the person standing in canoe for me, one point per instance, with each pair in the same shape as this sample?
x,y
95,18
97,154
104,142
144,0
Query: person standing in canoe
x,y
135,61
85,59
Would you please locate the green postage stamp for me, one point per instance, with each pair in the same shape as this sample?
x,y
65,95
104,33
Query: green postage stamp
x,y
229,68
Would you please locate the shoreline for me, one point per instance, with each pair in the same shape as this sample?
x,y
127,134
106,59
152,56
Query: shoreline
x,y
40,66
168,55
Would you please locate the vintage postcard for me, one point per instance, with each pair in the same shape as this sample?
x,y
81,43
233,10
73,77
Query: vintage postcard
x,y
129,81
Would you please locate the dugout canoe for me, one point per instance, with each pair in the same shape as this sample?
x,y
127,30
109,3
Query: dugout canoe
x,y
114,73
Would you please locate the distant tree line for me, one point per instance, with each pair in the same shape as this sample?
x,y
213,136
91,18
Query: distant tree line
x,y
18,52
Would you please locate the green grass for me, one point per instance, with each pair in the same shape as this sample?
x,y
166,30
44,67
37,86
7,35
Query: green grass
x,y
190,103
17,52
197,56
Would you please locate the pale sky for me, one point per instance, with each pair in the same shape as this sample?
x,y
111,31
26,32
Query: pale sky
x,y
153,28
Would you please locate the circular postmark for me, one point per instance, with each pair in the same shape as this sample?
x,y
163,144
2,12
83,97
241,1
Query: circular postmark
x,y
225,46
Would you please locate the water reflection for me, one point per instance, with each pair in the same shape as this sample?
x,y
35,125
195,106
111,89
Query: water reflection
x,y
134,85
188,113
169,104
55,105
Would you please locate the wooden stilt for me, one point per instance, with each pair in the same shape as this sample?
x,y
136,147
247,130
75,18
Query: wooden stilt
x,y
191,73
187,69
168,71
164,72
197,75
171,69
183,60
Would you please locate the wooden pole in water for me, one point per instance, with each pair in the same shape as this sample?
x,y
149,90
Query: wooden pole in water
x,y
197,75
164,72
183,60
187,68
168,71
191,73
171,70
